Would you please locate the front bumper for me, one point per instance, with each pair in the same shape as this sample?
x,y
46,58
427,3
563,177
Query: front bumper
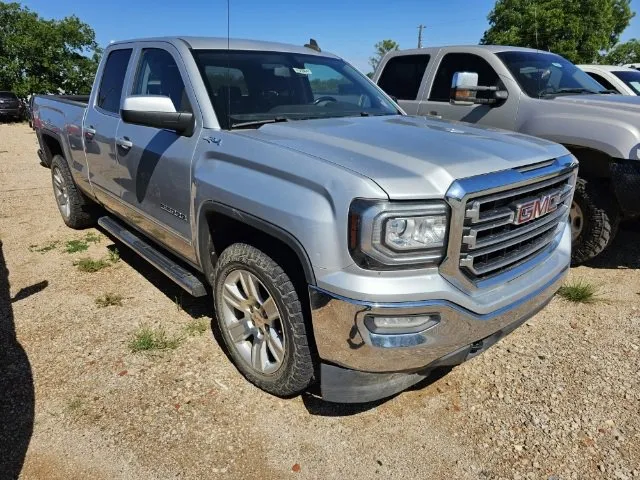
x,y
342,339
9,112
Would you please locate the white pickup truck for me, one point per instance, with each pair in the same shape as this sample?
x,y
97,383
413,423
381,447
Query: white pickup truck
x,y
541,94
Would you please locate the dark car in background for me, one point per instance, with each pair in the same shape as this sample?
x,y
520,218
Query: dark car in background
x,y
10,106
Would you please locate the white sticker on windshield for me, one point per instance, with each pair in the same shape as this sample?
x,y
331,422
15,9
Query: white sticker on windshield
x,y
302,71
557,65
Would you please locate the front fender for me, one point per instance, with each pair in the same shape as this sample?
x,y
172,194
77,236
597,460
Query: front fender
x,y
615,137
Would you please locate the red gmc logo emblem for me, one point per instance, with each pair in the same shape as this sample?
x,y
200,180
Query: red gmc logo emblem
x,y
537,207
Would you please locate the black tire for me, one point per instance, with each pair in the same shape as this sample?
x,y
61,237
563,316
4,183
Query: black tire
x,y
601,217
297,368
80,213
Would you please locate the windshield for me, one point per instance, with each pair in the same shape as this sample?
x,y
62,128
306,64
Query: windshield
x,y
275,86
631,79
543,74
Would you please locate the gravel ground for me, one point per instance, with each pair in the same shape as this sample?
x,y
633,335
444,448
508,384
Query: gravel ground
x,y
558,399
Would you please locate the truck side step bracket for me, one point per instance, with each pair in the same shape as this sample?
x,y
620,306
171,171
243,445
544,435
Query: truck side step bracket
x,y
170,268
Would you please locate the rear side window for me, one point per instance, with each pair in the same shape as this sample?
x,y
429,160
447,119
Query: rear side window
x,y
461,62
402,76
158,74
602,81
110,92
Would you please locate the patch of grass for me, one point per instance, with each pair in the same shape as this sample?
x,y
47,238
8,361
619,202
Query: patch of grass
x,y
90,265
197,327
44,248
578,291
74,405
147,339
109,300
73,246
114,255
92,238
178,301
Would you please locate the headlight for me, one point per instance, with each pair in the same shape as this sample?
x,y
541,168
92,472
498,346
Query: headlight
x,y
387,235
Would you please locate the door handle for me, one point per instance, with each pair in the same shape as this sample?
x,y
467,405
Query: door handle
x,y
124,142
89,133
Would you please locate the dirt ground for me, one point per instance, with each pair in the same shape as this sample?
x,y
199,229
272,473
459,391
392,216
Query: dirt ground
x,y
558,399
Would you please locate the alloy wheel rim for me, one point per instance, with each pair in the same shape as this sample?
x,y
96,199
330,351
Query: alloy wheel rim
x,y
253,322
62,195
576,218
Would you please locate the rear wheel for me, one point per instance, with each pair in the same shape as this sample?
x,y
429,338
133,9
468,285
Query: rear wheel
x,y
76,209
594,219
261,321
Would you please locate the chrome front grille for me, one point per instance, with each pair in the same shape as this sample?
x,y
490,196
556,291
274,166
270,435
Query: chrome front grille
x,y
497,235
502,223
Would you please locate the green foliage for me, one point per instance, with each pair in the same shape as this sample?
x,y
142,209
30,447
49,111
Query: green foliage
x,y
44,248
92,238
45,56
109,300
623,53
197,326
147,339
578,291
90,265
114,255
576,29
74,246
381,49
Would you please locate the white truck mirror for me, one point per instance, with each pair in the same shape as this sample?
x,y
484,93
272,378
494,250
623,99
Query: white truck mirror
x,y
463,88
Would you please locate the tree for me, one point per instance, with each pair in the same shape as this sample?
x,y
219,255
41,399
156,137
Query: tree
x,y
45,56
576,29
623,53
381,49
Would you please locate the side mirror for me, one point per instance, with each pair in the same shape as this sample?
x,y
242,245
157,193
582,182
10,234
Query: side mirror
x,y
464,88
156,111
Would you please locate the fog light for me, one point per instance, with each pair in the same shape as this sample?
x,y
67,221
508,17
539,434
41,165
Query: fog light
x,y
386,325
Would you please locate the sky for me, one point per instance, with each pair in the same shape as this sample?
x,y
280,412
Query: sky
x,y
348,28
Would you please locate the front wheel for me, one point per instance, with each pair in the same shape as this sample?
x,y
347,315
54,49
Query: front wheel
x,y
594,219
261,321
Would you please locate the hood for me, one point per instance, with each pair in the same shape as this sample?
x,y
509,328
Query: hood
x,y
619,103
409,157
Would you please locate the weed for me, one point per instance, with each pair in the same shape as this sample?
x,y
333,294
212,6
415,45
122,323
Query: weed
x,y
178,301
73,246
578,291
44,248
109,300
91,266
114,255
74,405
197,327
147,339
92,238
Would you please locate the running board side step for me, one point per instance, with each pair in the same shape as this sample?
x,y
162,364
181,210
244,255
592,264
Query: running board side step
x,y
170,268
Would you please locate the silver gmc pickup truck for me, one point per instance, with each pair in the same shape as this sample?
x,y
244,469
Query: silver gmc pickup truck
x,y
536,93
346,244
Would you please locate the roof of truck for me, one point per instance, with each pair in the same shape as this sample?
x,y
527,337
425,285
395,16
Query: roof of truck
x,y
470,48
222,43
608,68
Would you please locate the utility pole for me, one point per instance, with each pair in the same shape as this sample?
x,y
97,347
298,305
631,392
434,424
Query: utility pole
x,y
420,27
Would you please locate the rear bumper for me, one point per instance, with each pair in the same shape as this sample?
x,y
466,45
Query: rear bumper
x,y
359,365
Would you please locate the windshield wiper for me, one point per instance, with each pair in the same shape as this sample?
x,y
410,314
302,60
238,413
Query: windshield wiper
x,y
259,123
560,91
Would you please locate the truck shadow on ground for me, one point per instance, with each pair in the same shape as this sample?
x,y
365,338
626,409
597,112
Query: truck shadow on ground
x,y
624,252
203,307
17,395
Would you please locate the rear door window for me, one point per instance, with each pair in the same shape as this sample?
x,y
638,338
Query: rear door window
x,y
112,82
402,76
602,81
